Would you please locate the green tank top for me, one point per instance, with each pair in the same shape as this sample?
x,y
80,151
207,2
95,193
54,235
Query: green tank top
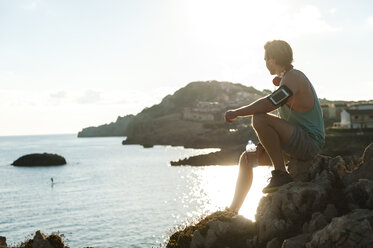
x,y
311,121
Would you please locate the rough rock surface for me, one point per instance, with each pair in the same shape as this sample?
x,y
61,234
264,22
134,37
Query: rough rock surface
x,y
330,204
364,171
3,242
351,230
40,240
40,159
296,242
360,194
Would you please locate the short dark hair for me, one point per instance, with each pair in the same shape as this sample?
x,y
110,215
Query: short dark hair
x,y
280,51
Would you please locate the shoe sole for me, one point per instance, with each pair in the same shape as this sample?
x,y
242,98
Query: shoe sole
x,y
273,189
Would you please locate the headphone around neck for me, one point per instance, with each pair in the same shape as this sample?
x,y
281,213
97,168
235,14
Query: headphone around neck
x,y
276,81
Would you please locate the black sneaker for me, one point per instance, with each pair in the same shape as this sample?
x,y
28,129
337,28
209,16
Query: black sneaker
x,y
278,179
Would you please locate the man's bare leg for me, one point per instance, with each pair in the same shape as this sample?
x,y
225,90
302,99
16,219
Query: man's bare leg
x,y
245,175
244,181
272,133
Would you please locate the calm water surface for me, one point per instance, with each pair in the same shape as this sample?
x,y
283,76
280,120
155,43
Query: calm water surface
x,y
109,195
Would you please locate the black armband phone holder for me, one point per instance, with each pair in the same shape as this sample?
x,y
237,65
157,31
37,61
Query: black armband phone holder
x,y
280,96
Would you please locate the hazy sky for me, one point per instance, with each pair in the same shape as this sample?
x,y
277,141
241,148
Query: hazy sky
x,y
66,65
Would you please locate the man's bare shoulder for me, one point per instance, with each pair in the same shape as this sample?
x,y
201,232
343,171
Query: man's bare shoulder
x,y
303,98
294,79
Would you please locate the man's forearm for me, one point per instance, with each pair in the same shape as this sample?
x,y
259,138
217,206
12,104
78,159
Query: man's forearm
x,y
262,105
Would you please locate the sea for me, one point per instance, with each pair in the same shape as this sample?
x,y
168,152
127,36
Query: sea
x,y
109,194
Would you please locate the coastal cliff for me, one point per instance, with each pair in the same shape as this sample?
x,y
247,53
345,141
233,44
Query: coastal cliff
x,y
330,204
191,117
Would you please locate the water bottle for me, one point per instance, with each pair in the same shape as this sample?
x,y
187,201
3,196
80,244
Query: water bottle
x,y
250,147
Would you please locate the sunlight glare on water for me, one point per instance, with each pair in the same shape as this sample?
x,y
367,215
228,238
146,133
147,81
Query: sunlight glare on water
x,y
213,188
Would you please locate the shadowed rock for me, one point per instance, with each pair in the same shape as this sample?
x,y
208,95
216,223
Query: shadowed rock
x,y
224,157
365,170
360,194
296,242
351,230
3,242
40,241
216,230
40,159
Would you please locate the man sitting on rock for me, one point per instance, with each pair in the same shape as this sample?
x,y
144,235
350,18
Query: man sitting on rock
x,y
298,132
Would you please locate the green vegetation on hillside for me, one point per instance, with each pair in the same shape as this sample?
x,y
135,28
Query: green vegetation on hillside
x,y
168,122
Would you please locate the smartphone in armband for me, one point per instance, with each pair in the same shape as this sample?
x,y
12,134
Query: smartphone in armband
x,y
280,96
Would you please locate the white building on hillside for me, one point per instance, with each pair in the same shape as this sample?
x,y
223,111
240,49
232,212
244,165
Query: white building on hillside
x,y
203,111
357,117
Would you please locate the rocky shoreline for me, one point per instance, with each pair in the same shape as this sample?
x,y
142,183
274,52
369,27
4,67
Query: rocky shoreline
x,y
40,240
330,204
350,148
226,156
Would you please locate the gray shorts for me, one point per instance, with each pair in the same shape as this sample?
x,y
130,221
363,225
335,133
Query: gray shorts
x,y
300,145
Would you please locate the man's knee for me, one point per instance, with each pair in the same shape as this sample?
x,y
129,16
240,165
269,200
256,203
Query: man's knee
x,y
258,120
247,160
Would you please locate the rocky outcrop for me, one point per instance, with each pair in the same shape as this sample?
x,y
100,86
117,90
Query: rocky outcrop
x,y
351,230
230,153
363,171
3,242
330,204
40,159
224,157
40,240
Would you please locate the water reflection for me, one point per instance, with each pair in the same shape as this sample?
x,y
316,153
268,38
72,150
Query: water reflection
x,y
211,188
